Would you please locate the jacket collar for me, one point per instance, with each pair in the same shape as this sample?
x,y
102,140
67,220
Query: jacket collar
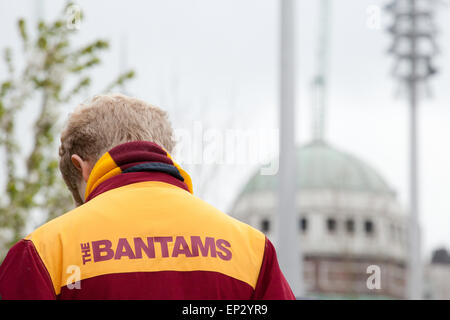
x,y
134,162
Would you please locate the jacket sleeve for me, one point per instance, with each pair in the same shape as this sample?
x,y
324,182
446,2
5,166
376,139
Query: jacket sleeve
x,y
24,276
271,284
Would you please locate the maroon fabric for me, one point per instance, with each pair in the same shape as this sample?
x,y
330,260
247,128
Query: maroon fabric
x,y
133,153
129,165
24,276
161,285
271,283
124,179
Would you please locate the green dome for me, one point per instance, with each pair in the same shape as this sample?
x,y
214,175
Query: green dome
x,y
320,166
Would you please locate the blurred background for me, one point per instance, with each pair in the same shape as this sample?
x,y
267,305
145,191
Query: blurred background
x,y
214,66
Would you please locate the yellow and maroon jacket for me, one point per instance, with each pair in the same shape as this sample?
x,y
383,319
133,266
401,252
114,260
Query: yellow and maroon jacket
x,y
142,234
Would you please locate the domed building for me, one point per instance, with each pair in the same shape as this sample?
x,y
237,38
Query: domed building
x,y
348,219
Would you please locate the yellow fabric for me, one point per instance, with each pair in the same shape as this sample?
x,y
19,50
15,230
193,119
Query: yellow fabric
x,y
104,169
146,209
184,174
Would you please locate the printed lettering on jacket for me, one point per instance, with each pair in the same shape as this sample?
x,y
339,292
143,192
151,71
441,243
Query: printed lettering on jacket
x,y
155,247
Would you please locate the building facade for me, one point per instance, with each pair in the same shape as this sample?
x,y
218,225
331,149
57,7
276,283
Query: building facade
x,y
350,224
437,276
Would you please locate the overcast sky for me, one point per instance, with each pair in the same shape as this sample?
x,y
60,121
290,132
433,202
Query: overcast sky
x,y
216,61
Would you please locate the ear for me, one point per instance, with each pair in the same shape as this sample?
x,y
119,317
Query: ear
x,y
82,165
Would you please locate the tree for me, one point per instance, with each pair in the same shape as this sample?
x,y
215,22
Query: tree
x,y
54,73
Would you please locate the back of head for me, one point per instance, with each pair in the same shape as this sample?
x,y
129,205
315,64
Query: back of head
x,y
105,122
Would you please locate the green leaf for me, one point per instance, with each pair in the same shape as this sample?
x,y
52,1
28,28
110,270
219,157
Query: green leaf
x,y
2,109
6,86
42,43
22,30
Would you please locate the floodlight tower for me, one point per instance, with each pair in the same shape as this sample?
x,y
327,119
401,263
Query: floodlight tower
x,y
413,48
288,240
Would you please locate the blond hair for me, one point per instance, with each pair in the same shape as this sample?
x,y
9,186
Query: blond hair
x,y
105,122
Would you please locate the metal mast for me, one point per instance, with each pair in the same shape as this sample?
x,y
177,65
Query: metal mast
x,y
413,48
319,83
288,241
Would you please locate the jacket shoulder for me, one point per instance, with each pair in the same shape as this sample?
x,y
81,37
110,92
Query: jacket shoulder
x,y
48,240
50,230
